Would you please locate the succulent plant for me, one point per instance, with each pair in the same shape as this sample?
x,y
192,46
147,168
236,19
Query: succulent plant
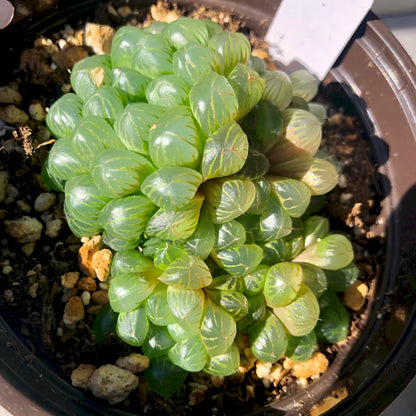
x,y
197,165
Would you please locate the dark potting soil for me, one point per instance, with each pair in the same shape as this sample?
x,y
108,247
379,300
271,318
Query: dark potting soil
x,y
30,273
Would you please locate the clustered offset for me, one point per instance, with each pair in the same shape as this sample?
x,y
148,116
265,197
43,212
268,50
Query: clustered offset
x,y
201,170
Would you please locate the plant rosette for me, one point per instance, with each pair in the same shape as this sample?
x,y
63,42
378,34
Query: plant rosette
x,y
199,168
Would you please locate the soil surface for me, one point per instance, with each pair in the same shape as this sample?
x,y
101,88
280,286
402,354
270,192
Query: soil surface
x,y
32,263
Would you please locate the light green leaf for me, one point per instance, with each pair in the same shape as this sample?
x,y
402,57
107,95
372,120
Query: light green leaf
x,y
157,307
224,364
227,282
187,272
119,172
332,252
261,197
158,342
300,316
233,301
225,151
218,329
171,186
315,279
130,261
175,140
189,354
256,314
213,101
255,166
128,291
187,306
339,280
176,224
282,284
269,340
167,91
315,228
278,88
125,43
292,194
166,253
239,261
254,281
130,84
248,87
301,349
178,332
228,235
132,326
304,84
228,198
155,28
185,31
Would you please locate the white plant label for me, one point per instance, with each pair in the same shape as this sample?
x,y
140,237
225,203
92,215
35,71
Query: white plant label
x,y
312,33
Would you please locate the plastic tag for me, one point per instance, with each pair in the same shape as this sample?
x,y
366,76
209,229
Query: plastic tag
x,y
6,13
311,34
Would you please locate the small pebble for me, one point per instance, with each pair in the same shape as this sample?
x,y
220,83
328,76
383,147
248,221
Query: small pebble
x,y
33,290
69,279
101,263
7,269
9,95
53,227
12,191
8,296
92,310
4,181
44,201
74,311
87,283
28,248
98,37
136,363
355,295
112,383
23,206
37,112
100,297
69,56
81,375
13,115
42,134
86,297
59,332
24,230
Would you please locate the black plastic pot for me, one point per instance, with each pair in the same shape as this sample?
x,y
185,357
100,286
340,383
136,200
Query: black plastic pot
x,y
380,81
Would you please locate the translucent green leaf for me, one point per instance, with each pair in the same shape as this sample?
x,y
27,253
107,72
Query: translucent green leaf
x,y
167,91
251,225
171,186
164,377
278,88
153,56
92,136
132,326
130,261
315,227
224,364
218,329
213,101
264,125
300,316
339,280
213,27
233,47
127,216
119,172
258,64
228,235
302,136
225,151
292,194
318,110
187,306
155,28
256,314
187,272
227,282
64,115
202,241
175,140
332,252
105,102
125,43
234,302
176,224
167,253
158,342
274,222
334,320
239,261
63,162
254,281
191,62
104,324
185,31
300,349
90,74
189,354
227,199
304,84
269,340
157,307
282,284
49,180
128,291
116,242
255,166
130,84
178,332
133,125
299,102
275,251
261,197
248,87
315,279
